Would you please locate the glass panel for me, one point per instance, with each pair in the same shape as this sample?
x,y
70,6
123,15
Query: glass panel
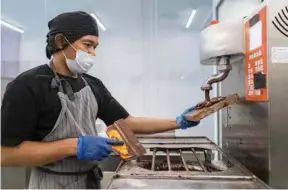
x,y
10,43
175,71
147,57
29,16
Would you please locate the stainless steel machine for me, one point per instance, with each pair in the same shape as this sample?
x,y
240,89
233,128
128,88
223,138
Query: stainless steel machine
x,y
255,131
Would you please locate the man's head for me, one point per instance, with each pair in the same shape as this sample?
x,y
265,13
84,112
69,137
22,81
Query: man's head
x,y
69,32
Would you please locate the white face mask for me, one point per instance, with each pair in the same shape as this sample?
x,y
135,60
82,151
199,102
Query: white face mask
x,y
81,64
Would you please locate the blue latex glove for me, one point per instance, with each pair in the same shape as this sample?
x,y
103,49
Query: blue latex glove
x,y
182,123
94,147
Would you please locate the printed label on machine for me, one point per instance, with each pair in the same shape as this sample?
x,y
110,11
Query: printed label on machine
x,y
279,54
256,57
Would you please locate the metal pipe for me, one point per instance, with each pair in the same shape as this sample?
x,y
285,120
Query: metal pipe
x,y
207,95
153,159
207,86
168,160
183,160
223,67
199,161
217,78
207,156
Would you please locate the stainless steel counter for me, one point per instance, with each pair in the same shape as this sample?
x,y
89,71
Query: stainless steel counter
x,y
183,163
132,183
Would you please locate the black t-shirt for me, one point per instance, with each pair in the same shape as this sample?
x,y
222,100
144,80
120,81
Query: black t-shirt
x,y
31,106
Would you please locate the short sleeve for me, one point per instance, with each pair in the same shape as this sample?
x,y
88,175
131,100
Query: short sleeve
x,y
110,110
18,114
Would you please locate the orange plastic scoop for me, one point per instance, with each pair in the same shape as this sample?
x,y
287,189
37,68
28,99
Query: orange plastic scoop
x,y
131,147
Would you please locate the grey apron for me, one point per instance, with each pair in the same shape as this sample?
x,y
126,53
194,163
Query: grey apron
x,y
77,117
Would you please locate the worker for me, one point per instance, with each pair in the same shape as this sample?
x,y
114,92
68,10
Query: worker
x,y
49,113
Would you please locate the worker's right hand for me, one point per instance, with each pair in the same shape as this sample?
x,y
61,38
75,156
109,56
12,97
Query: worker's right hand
x,y
183,123
95,148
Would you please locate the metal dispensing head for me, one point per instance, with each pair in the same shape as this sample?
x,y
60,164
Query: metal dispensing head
x,y
221,43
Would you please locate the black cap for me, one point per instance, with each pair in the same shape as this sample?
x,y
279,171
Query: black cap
x,y
73,25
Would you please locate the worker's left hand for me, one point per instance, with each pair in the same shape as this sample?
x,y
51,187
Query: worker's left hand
x,y
95,148
184,124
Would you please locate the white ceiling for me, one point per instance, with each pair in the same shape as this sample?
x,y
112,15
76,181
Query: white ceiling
x,y
115,14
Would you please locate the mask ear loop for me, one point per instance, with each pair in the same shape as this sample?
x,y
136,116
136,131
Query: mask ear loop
x,y
69,43
64,54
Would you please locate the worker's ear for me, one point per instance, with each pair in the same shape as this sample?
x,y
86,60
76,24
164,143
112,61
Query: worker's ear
x,y
60,41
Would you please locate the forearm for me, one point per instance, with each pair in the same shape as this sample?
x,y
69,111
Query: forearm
x,y
141,125
38,153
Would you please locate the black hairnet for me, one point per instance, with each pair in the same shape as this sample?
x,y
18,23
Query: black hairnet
x,y
73,25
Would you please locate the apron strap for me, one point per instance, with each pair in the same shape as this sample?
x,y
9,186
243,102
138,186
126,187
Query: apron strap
x,y
56,82
85,82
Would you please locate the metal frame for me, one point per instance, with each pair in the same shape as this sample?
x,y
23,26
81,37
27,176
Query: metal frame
x,y
217,89
155,150
236,172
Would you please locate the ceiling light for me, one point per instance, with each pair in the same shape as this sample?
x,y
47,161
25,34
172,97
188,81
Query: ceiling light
x,y
101,25
11,26
189,21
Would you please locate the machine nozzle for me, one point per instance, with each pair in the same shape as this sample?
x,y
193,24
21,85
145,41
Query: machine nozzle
x,y
223,68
